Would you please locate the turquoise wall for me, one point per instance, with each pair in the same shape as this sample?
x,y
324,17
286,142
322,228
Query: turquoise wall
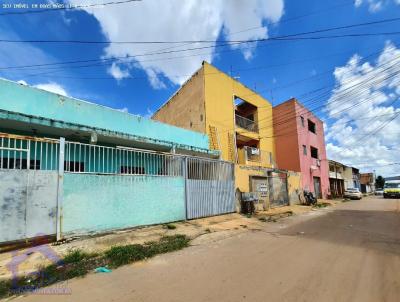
x,y
35,102
94,203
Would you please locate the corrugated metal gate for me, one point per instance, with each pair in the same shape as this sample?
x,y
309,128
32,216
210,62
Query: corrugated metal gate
x,y
209,188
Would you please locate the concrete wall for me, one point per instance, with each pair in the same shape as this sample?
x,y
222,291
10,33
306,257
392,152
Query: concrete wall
x,y
186,108
95,203
348,177
28,202
294,187
39,103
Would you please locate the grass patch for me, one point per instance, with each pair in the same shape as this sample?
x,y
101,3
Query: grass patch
x,y
120,255
322,205
77,255
77,263
170,226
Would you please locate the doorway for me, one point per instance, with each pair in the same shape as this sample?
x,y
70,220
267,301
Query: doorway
x,y
317,187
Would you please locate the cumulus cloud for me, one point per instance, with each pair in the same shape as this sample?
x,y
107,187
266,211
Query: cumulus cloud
x,y
118,73
374,5
364,113
52,87
177,20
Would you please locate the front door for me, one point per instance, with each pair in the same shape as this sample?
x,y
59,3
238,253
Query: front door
x,y
317,187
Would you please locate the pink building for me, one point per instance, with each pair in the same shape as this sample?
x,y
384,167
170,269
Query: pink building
x,y
300,146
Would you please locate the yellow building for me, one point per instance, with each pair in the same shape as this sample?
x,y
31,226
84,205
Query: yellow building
x,y
239,123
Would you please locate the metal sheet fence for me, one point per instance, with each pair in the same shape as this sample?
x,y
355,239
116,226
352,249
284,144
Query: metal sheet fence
x,y
210,188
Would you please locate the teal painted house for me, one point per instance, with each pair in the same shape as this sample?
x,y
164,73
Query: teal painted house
x,y
72,167
38,112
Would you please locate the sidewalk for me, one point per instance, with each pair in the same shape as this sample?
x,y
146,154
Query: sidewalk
x,y
224,224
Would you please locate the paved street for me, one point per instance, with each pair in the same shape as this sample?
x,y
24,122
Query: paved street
x,y
347,253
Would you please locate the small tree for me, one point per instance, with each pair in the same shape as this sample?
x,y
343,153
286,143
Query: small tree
x,y
379,182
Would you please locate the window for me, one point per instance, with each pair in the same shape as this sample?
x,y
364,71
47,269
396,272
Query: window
x,y
302,120
132,170
314,152
311,126
304,149
18,163
74,166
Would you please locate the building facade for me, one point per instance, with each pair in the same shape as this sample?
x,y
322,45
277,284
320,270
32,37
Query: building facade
x,y
72,167
300,145
367,182
336,179
239,123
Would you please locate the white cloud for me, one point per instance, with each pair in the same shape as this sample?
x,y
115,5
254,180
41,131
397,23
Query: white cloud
x,y
177,20
52,87
117,72
366,98
374,5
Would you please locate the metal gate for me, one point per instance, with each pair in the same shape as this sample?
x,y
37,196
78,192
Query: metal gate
x,y
209,187
28,187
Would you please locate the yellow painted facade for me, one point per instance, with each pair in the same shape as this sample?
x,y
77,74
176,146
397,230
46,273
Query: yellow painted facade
x,y
220,92
212,102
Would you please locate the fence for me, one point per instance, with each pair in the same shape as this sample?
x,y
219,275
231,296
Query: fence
x,y
75,188
28,187
210,188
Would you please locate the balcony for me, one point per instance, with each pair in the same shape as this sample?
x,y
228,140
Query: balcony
x,y
246,123
337,175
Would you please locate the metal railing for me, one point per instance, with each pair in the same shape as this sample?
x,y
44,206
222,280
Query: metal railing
x,y
28,153
31,153
246,123
208,169
86,158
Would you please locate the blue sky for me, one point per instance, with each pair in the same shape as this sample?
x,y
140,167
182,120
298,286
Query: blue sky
x,y
277,70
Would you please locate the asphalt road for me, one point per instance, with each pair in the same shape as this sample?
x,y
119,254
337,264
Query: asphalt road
x,y
348,253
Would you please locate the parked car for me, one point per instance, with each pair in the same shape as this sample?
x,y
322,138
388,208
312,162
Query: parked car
x,y
391,189
379,192
352,193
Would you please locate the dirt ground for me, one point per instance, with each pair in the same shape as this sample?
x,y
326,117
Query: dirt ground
x,y
193,229
350,252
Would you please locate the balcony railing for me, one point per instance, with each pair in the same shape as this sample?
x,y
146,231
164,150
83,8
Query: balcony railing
x,y
246,123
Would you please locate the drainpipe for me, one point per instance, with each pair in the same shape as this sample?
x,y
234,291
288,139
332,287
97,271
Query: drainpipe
x,y
60,189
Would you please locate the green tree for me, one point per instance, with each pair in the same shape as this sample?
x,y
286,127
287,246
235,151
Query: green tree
x,y
379,182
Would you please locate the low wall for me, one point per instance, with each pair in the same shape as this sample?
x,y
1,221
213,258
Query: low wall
x,y
96,203
294,187
28,204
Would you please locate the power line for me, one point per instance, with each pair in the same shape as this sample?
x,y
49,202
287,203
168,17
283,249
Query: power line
x,y
209,41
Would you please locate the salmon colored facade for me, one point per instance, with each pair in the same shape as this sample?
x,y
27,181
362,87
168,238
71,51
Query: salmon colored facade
x,y
300,146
